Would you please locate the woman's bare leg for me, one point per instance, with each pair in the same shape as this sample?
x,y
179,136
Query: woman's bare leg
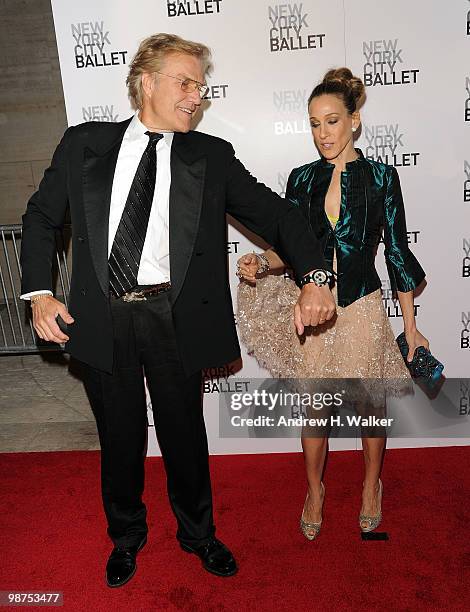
x,y
374,449
314,456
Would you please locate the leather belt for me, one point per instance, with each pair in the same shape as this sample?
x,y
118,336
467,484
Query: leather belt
x,y
142,292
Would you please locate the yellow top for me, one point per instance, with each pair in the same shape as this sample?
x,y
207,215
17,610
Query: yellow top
x,y
332,219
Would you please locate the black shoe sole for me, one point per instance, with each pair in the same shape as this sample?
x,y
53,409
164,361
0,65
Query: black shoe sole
x,y
116,586
188,549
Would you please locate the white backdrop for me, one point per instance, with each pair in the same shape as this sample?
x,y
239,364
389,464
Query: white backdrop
x,y
267,58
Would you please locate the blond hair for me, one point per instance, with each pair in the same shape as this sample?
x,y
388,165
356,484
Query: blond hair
x,y
150,56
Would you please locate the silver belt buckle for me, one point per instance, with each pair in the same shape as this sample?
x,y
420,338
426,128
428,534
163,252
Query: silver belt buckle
x,y
134,296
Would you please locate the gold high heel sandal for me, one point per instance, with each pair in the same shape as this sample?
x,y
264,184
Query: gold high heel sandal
x,y
305,527
373,521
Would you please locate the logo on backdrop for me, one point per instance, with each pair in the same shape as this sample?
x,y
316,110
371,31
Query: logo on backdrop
x,y
289,28
466,258
412,236
232,247
391,304
466,183
216,92
465,333
467,99
385,143
464,405
384,64
291,105
93,47
192,7
468,23
217,380
100,113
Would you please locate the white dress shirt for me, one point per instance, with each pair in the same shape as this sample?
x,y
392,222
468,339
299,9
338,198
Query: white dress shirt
x,y
154,265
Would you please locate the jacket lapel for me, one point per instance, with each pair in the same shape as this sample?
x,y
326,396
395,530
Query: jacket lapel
x,y
188,168
99,163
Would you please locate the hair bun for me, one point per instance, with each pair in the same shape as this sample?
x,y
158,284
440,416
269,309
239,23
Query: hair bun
x,y
345,79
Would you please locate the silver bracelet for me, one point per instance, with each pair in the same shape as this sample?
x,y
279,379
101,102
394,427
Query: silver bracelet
x,y
264,263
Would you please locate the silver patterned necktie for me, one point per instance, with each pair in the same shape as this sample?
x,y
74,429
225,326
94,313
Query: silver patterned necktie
x,y
129,240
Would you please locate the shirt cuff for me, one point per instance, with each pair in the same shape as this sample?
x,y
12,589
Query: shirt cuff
x,y
28,296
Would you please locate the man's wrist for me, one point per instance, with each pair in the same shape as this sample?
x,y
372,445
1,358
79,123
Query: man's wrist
x,y
37,298
27,296
320,277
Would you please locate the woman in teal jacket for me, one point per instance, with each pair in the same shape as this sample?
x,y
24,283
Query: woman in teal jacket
x,y
348,201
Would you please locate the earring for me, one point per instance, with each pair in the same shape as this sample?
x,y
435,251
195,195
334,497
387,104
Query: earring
x,y
354,129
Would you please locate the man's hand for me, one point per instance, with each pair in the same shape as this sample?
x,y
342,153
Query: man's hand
x,y
45,311
314,306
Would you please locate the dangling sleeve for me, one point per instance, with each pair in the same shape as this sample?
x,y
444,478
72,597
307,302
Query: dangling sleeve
x,y
404,269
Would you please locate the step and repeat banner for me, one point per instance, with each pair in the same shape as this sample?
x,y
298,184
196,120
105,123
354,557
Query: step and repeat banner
x,y
267,56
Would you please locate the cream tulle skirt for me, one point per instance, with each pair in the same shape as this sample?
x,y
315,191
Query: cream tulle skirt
x,y
357,343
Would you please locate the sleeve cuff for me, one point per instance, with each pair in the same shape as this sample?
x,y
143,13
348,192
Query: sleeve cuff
x,y
28,296
405,275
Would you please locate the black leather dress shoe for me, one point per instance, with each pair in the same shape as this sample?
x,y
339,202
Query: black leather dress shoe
x,y
122,565
215,556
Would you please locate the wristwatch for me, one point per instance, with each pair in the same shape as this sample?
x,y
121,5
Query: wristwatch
x,y
319,277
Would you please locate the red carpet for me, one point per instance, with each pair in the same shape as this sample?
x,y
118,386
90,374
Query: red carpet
x,y
53,536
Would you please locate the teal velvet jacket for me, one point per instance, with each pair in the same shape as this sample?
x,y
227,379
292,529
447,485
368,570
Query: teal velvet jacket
x,y
371,202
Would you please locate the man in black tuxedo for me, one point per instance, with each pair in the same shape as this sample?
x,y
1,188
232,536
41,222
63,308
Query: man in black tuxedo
x,y
149,289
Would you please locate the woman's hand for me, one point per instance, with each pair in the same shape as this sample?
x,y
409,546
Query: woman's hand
x,y
415,339
247,267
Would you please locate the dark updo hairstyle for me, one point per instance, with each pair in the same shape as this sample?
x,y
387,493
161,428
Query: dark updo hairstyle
x,y
342,83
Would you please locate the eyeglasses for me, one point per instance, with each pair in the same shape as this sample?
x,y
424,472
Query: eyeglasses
x,y
189,85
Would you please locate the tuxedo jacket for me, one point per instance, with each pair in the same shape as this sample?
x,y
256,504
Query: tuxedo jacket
x,y
207,181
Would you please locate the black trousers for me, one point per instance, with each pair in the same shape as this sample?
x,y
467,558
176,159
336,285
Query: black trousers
x,y
145,342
